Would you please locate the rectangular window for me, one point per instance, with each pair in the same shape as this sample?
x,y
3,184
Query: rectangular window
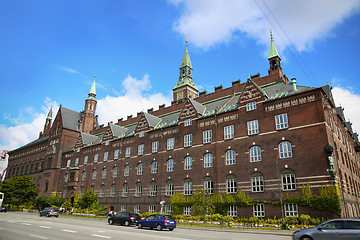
x,y
106,156
76,162
142,134
188,122
140,169
188,163
141,149
123,208
115,172
125,191
168,209
232,211
251,106
259,210
127,171
188,188
281,121
107,142
96,158
153,189
86,159
169,189
152,208
128,152
170,143
291,209
253,127
68,163
231,185
207,136
229,132
187,211
102,191
116,154
209,186
288,182
113,190
170,165
155,147
138,191
137,209
188,140
257,184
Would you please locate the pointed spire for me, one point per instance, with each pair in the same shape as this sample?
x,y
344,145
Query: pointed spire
x,y
186,58
273,51
49,116
93,88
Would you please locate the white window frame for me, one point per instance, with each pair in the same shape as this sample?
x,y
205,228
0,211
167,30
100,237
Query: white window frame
x,y
231,185
259,210
290,209
154,167
140,169
125,192
106,156
102,191
68,163
128,152
137,209
83,177
170,165
153,189
232,211
76,162
188,188
168,209
255,154
281,121
285,150
141,149
188,163
209,186
96,158
138,191
229,132
169,188
188,140
250,106
141,133
155,147
230,157
152,208
187,210
288,181
126,171
115,172
170,143
257,184
208,160
123,207
116,154
188,122
207,136
253,127
86,159
94,173
104,173
113,190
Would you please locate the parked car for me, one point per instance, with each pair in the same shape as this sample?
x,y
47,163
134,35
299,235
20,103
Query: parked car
x,y
124,218
49,212
3,209
158,221
344,228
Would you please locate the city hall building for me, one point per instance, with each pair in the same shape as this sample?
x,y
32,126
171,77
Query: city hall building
x,y
265,136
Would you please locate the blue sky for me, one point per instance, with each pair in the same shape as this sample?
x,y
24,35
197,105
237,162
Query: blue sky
x,y
50,51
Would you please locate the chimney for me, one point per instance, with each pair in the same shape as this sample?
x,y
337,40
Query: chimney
x,y
293,83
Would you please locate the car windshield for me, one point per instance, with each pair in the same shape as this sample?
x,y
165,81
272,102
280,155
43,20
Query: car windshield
x,y
168,217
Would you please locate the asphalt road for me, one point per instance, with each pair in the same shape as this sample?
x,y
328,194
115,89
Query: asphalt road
x,y
21,226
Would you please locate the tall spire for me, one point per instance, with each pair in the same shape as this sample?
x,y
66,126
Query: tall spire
x,y
89,120
48,121
273,51
92,92
49,116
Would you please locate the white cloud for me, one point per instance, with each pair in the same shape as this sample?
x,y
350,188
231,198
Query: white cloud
x,y
133,100
210,22
27,126
349,100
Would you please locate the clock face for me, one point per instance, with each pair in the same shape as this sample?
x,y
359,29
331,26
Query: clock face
x,y
179,95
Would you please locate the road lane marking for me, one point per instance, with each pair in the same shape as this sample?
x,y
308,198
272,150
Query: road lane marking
x,y
11,221
100,236
27,224
70,231
45,227
38,236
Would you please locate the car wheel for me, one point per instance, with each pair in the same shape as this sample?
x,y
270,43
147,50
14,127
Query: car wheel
x,y
306,238
111,222
171,229
57,216
48,215
40,215
127,223
159,227
140,225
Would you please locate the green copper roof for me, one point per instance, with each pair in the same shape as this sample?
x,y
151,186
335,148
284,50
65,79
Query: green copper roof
x,y
186,59
49,116
93,88
273,50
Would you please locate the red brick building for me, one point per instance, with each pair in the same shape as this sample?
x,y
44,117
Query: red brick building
x,y
266,136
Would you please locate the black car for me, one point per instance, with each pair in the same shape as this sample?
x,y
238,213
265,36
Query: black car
x,y
3,209
49,211
124,218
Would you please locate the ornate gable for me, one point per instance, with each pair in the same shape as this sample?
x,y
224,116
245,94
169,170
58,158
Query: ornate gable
x,y
79,142
191,109
251,93
142,125
108,134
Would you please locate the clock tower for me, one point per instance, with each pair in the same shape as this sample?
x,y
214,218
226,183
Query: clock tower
x,y
185,87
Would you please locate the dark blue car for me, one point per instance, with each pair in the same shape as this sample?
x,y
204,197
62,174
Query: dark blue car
x,y
158,221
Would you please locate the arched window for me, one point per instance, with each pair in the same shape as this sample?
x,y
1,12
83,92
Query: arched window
x,y
170,165
257,182
115,172
208,160
46,185
94,174
255,154
104,173
285,150
125,190
127,171
188,163
188,187
102,190
231,184
140,168
154,167
230,157
84,176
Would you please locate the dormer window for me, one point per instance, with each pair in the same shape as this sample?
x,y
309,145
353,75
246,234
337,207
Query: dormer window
x,y
251,106
142,134
188,122
107,142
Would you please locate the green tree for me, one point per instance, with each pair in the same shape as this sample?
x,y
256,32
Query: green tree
x,y
19,190
55,200
88,199
42,202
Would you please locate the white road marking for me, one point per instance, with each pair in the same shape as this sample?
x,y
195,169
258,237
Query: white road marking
x,y
45,227
38,236
27,224
11,221
70,231
1,229
100,236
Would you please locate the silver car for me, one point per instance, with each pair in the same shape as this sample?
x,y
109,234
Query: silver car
x,y
344,228
49,212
